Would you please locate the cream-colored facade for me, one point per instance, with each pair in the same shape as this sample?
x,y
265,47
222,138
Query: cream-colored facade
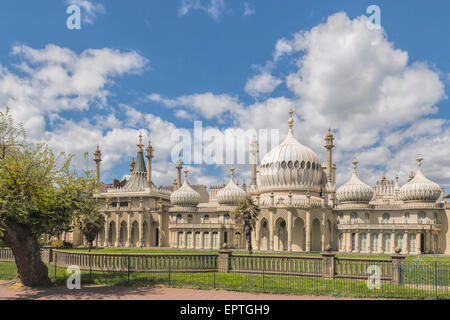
x,y
301,210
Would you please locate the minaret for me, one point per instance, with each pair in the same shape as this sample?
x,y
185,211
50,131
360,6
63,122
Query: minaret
x,y
179,167
329,139
97,159
254,151
291,121
149,156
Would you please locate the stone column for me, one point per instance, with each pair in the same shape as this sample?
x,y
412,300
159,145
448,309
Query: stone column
x,y
405,243
396,270
224,260
106,243
271,247
289,227
369,242
140,242
308,232
160,226
185,244
257,240
210,239
117,244
380,242
128,243
418,243
328,265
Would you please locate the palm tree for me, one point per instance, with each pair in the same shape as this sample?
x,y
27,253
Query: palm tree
x,y
247,213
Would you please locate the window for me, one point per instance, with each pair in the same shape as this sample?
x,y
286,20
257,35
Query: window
x,y
197,240
206,219
353,218
189,239
406,217
180,239
386,218
422,218
190,218
353,242
399,240
362,242
237,240
226,218
215,240
366,218
386,242
435,218
375,242
179,218
206,240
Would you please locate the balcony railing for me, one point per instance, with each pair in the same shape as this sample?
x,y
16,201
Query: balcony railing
x,y
389,226
190,225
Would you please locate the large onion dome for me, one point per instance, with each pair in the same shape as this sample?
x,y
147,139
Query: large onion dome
x,y
420,189
231,194
354,190
290,166
185,196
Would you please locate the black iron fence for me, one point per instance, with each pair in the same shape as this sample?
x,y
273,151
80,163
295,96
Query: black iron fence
x,y
312,275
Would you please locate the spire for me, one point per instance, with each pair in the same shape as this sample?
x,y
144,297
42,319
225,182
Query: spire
x,y
419,160
355,164
232,174
140,144
291,121
186,176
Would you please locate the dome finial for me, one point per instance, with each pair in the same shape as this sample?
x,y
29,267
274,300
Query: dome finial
x,y
140,144
355,164
232,173
291,120
419,160
186,173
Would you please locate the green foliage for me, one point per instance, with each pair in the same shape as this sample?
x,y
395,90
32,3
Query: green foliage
x,y
247,213
61,244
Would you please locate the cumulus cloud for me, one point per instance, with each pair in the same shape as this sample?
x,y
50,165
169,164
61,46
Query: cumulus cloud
x,y
208,104
262,83
90,9
214,8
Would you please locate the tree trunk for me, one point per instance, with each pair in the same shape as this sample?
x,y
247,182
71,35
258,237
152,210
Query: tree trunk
x,y
27,253
248,235
89,246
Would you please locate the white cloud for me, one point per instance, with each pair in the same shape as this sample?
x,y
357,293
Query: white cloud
x,y
207,104
248,9
263,83
214,8
90,9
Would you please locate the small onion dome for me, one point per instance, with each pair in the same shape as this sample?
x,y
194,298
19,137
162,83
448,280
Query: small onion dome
x,y
232,194
420,188
354,190
185,196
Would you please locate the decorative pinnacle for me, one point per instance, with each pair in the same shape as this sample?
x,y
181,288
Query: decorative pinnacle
x,y
140,145
419,160
291,120
97,155
232,173
355,164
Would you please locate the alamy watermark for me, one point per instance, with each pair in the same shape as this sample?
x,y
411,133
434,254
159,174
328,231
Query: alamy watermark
x,y
74,280
374,21
74,19
374,281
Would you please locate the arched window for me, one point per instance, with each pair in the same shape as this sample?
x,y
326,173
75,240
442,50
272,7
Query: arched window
x,y
189,239
179,218
421,217
386,218
206,240
215,240
353,218
362,242
399,240
237,240
190,218
197,240
412,243
374,242
226,218
366,218
435,218
206,219
180,239
387,242
406,217
353,242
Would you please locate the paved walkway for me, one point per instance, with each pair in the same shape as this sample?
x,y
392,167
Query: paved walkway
x,y
14,290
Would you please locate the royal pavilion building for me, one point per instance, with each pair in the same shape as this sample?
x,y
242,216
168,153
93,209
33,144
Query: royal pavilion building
x,y
301,209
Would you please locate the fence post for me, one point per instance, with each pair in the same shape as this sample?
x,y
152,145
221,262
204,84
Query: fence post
x,y
90,268
56,263
397,273
224,260
170,262
50,255
128,268
328,265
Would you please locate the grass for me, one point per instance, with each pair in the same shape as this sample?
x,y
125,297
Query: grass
x,y
259,283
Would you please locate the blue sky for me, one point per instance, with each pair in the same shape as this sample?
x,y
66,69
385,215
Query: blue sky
x,y
160,65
